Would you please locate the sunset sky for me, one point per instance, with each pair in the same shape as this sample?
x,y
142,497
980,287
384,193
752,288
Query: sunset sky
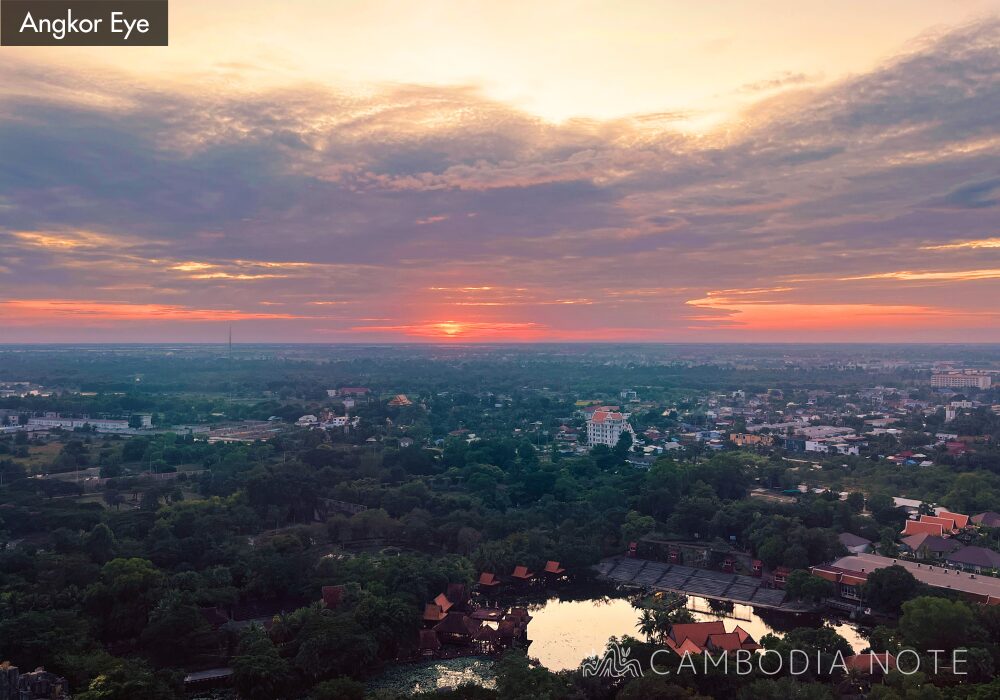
x,y
519,171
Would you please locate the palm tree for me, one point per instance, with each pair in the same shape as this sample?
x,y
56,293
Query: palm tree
x,y
648,625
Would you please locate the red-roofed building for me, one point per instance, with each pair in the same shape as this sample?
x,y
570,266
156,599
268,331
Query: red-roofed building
x,y
606,427
552,569
848,582
433,614
488,582
699,637
917,527
521,574
947,524
874,664
961,520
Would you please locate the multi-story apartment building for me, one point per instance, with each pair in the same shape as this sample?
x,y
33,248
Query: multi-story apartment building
x,y
956,380
606,427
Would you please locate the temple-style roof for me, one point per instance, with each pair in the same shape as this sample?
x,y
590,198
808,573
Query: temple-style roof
x,y
521,572
457,624
433,613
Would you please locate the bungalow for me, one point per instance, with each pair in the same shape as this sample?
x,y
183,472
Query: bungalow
x,y
488,582
553,570
974,559
522,575
855,544
987,519
926,546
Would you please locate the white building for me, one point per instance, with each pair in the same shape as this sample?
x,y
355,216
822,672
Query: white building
x,y
605,427
961,379
101,425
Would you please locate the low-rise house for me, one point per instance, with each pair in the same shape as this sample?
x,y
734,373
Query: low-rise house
x,y
987,519
925,546
974,559
854,543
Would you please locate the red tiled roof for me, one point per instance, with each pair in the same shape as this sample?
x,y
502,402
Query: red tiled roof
x,y
915,527
730,641
433,613
442,602
961,520
488,579
697,632
868,663
552,567
522,572
946,523
601,416
697,637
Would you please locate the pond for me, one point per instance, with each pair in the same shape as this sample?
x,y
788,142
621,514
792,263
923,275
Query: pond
x,y
426,676
565,632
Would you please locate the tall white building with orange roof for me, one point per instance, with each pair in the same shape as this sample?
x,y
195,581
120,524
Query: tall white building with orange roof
x,y
606,427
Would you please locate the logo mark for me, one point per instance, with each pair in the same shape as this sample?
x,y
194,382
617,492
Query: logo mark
x,y
614,664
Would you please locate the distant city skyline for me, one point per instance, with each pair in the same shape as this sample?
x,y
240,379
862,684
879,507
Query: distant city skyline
x,y
516,172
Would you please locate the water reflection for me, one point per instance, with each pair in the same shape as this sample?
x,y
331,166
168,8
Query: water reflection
x,y
564,632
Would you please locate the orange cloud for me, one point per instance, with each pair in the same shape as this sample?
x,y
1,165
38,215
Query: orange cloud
x,y
931,275
980,243
31,312
790,317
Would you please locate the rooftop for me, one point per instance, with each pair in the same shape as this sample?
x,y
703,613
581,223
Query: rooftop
x,y
927,573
